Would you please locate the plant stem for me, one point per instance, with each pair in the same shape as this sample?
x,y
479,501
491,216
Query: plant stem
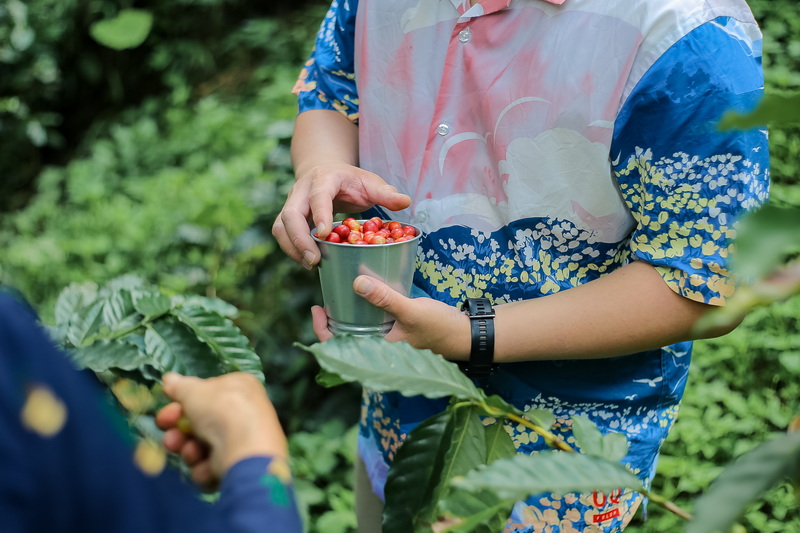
x,y
552,439
668,505
556,442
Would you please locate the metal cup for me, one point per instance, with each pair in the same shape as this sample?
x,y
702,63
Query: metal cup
x,y
341,263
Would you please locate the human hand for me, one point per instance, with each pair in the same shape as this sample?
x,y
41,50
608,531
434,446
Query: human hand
x,y
317,195
231,418
424,323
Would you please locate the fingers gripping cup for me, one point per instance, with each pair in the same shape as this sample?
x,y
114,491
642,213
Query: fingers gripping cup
x,y
341,262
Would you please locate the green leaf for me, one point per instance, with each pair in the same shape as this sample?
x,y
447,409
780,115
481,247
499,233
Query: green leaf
x,y
774,109
329,379
765,239
173,347
613,446
85,323
553,471
497,403
224,338
72,299
541,417
481,512
118,311
414,472
393,366
104,355
589,438
467,450
128,29
744,481
151,303
216,305
499,444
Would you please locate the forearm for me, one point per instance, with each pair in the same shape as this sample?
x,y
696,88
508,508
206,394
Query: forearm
x,y
627,311
323,137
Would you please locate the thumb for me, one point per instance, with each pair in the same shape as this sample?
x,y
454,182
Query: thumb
x,y
380,295
178,387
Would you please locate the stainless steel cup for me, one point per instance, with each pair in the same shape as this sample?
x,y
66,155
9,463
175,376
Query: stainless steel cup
x,y
341,263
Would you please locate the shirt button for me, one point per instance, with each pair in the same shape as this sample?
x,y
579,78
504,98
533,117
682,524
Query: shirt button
x,y
464,35
443,129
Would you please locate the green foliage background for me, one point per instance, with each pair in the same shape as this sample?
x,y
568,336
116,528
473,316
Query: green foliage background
x,y
170,161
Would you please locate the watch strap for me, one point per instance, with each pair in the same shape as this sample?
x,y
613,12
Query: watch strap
x,y
481,319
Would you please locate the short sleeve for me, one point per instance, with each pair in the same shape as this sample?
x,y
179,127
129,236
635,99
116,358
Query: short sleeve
x,y
685,182
327,80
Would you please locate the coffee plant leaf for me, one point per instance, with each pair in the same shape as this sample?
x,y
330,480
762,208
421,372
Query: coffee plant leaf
x,y
118,311
151,303
393,366
215,305
105,355
765,239
223,337
745,480
329,379
173,347
478,512
498,443
541,417
589,438
85,323
467,449
72,299
414,473
776,108
551,471
492,404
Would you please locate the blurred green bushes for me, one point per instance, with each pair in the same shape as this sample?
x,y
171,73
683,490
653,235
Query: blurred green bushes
x,y
171,160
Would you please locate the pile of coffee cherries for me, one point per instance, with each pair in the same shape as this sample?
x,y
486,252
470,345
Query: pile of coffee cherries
x,y
372,231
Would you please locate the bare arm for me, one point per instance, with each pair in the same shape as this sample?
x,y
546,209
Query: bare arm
x,y
627,311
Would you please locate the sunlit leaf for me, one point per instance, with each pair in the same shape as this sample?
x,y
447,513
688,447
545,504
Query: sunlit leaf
x,y
414,472
393,366
744,481
560,472
133,396
774,109
224,338
128,29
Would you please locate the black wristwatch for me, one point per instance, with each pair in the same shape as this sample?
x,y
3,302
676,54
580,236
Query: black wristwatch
x,y
481,319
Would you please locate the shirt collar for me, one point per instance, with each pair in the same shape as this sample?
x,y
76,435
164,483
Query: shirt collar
x,y
485,7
